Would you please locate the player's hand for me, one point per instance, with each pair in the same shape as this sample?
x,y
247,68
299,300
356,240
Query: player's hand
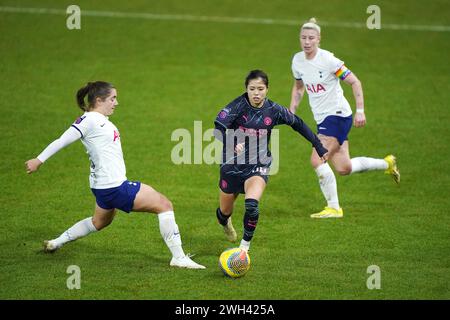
x,y
239,148
32,165
360,120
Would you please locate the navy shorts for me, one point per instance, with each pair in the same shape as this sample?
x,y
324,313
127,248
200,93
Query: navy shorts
x,y
335,126
121,197
234,183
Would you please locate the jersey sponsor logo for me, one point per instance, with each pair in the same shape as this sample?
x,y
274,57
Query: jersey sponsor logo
x,y
322,128
254,132
267,121
245,117
116,135
315,88
79,119
102,125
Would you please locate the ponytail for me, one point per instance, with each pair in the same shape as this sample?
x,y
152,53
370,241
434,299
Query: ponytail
x,y
92,90
81,94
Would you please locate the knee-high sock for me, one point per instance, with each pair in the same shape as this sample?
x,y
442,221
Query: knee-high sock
x,y
80,229
170,233
327,182
250,218
361,164
223,219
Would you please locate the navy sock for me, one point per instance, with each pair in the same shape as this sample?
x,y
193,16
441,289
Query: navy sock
x,y
223,219
250,218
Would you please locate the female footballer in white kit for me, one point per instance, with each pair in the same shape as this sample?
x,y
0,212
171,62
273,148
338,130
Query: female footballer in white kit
x,y
107,178
318,71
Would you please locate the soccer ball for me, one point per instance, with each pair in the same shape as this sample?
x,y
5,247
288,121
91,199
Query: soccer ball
x,y
234,262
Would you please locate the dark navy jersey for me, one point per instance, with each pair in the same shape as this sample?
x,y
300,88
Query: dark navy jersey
x,y
240,122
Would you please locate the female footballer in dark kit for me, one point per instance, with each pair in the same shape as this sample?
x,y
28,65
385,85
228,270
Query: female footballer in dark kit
x,y
244,126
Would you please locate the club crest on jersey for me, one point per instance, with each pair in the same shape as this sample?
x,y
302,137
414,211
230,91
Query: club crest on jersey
x,y
116,135
267,121
79,119
315,88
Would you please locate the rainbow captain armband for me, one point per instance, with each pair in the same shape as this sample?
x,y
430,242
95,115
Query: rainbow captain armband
x,y
342,72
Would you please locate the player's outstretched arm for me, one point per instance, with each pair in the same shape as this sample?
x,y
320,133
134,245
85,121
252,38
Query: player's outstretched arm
x,y
71,135
286,117
302,128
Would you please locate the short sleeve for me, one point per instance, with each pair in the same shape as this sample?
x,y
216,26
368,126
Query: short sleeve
x,y
333,63
337,67
83,125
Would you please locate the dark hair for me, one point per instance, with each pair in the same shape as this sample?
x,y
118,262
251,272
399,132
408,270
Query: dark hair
x,y
93,90
255,74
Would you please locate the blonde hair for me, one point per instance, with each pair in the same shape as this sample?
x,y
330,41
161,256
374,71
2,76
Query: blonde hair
x,y
311,24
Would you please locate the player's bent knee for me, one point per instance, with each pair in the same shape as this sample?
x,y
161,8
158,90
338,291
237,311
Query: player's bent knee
x,y
344,171
165,204
169,205
100,224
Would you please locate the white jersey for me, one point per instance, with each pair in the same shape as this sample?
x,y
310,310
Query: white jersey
x,y
320,76
102,141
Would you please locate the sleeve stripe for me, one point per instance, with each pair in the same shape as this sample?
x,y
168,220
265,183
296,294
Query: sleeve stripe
x,y
78,130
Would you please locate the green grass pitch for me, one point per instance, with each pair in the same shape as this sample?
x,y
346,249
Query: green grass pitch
x,y
170,73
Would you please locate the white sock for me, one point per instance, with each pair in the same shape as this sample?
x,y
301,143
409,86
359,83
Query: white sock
x,y
327,182
245,244
361,164
170,233
80,229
